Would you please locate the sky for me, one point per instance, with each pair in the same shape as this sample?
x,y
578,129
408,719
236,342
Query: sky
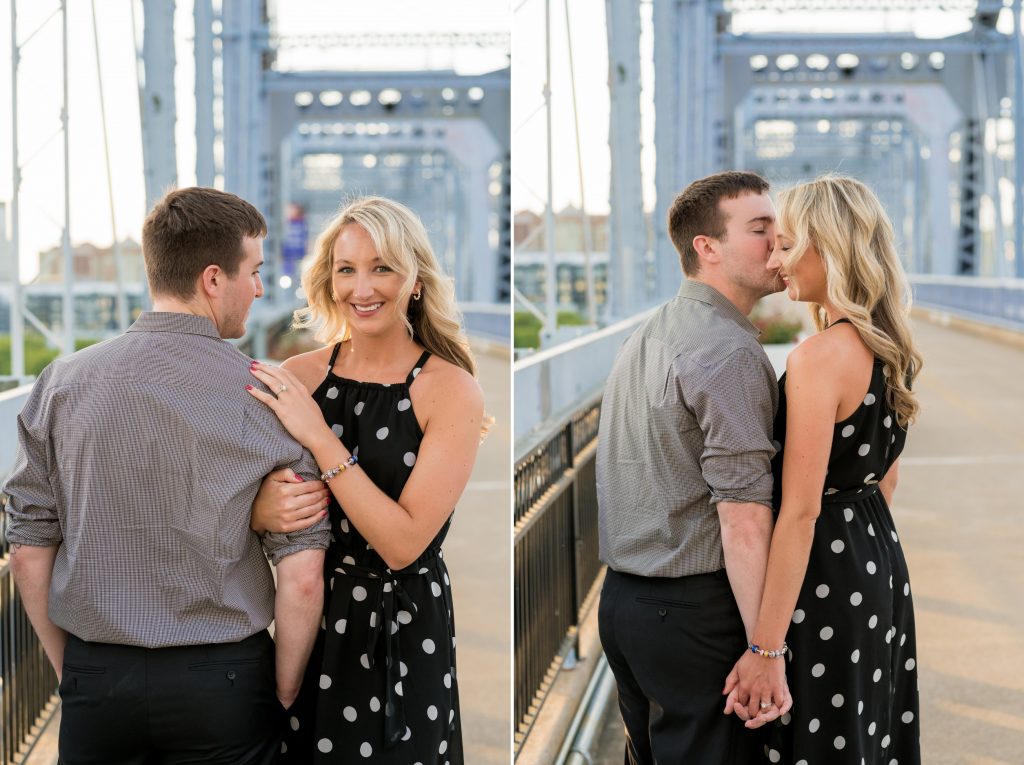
x,y
41,148
589,36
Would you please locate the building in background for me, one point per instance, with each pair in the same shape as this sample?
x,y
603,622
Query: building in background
x,y
92,263
95,289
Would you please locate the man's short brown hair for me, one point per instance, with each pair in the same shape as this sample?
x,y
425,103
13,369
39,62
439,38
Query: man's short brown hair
x,y
190,229
696,212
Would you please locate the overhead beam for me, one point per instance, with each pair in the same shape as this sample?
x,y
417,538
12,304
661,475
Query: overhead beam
x,y
861,44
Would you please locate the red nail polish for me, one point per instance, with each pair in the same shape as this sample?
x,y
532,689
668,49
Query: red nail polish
x,y
323,514
299,477
248,387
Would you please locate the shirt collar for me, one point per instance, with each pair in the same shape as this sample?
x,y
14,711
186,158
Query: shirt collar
x,y
181,323
694,290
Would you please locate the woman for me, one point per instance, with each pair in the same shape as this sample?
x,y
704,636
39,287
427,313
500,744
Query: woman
x,y
392,413
836,589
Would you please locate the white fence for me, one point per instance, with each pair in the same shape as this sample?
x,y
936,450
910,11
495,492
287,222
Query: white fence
x,y
11,402
551,384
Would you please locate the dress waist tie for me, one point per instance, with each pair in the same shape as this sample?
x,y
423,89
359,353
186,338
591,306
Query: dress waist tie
x,y
393,609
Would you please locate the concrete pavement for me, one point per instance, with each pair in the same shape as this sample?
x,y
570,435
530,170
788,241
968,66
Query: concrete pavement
x,y
479,555
959,510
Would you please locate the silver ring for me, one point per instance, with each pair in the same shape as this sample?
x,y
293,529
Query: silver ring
x,y
283,389
766,704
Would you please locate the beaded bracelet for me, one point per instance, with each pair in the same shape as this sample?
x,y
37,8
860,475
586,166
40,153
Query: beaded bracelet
x,y
776,654
342,467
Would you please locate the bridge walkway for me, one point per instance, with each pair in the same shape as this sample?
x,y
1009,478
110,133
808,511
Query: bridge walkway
x,y
959,512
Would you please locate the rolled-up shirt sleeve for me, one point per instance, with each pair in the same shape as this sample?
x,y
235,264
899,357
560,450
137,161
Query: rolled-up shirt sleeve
x,y
318,536
32,517
734,402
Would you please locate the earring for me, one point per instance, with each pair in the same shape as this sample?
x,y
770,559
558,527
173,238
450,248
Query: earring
x,y
417,295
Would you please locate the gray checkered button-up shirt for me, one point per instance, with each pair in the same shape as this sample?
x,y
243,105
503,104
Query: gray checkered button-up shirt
x,y
141,457
686,423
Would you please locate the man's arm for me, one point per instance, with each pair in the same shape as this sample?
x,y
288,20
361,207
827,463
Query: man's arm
x,y
297,611
298,606
734,405
746,537
32,568
888,483
33,525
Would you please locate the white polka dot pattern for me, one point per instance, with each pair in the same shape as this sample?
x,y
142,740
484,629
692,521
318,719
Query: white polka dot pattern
x,y
410,659
852,662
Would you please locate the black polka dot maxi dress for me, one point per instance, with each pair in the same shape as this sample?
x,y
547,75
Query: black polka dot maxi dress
x,y
380,685
852,661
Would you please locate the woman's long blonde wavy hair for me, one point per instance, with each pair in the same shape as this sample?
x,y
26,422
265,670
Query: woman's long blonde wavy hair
x,y
401,243
846,224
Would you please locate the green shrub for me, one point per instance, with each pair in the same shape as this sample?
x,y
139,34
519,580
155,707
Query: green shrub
x,y
526,327
777,328
37,353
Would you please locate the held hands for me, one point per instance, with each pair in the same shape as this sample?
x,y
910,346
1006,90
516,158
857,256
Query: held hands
x,y
754,681
291,402
286,503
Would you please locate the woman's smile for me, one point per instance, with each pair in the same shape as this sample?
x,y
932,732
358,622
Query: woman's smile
x,y
366,309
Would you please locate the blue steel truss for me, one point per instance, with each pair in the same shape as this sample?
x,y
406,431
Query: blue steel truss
x,y
934,125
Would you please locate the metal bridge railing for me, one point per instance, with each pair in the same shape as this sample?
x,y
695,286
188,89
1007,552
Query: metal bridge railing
x,y
11,403
556,554
490,321
28,684
991,301
553,382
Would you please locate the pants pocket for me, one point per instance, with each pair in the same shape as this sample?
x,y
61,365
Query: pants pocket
x,y
84,669
665,602
205,666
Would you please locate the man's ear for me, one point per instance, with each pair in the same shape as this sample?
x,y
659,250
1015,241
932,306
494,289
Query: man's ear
x,y
211,281
706,248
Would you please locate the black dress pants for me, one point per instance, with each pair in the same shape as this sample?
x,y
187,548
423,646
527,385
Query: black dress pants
x,y
670,644
125,705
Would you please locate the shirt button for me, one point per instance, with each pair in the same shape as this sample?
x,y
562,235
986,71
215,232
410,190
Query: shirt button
x,y
231,674
663,612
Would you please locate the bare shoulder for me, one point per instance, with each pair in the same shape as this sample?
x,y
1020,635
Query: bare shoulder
x,y
448,387
828,353
309,367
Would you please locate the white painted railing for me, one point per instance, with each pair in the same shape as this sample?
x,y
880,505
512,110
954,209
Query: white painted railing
x,y
551,384
11,402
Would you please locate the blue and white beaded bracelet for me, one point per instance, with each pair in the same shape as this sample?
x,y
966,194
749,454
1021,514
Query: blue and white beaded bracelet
x,y
778,653
342,467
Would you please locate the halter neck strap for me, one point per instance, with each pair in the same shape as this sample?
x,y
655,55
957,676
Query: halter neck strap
x,y
334,356
416,369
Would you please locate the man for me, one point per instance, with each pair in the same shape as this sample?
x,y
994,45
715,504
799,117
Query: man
x,y
138,462
684,483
